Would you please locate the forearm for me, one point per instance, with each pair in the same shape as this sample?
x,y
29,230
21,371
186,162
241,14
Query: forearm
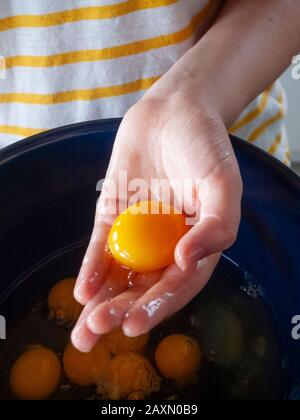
x,y
247,48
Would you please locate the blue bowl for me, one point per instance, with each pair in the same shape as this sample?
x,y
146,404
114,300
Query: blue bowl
x,y
47,203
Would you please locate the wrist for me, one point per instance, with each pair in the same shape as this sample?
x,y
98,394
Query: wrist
x,y
201,89
172,95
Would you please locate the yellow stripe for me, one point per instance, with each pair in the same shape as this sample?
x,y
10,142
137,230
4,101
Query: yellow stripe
x,y
263,127
78,95
84,13
19,131
255,113
288,156
125,50
274,147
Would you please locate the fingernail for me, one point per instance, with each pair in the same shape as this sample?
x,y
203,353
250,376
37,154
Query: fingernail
x,y
92,324
78,294
127,331
132,329
109,322
185,261
76,338
179,260
86,290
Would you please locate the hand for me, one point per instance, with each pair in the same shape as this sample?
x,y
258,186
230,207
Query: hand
x,y
167,138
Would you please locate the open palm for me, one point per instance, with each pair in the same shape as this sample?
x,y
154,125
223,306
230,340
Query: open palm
x,y
162,139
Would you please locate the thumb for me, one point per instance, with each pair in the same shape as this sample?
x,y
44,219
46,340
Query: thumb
x,y
219,194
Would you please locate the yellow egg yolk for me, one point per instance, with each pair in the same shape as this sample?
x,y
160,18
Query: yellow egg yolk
x,y
86,369
62,304
131,376
144,241
36,374
178,357
117,342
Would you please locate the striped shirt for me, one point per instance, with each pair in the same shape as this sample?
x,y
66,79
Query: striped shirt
x,y
77,60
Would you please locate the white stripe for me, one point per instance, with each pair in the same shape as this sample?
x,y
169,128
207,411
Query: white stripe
x,y
37,116
39,7
272,108
98,34
94,74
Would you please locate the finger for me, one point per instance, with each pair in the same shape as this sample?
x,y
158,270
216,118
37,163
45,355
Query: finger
x,y
217,228
113,199
111,314
82,337
95,265
174,290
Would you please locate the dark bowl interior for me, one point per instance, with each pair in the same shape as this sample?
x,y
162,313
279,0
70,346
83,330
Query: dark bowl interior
x,y
47,203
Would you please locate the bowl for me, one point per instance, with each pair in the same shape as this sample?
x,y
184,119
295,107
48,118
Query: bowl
x,y
48,197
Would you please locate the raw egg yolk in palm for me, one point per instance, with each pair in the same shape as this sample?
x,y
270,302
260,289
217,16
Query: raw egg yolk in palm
x,y
62,304
178,357
86,369
145,235
36,374
130,376
117,342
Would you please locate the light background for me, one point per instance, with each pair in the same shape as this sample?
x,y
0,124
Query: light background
x,y
292,88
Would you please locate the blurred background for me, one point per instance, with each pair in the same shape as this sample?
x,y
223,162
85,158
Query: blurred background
x,y
292,88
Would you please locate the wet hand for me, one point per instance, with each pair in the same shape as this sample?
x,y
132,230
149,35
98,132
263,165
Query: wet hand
x,y
172,138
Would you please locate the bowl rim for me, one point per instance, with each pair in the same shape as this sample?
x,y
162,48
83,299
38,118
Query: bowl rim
x,y
102,125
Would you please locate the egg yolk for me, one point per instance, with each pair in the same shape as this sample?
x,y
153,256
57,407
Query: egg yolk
x,y
178,357
62,304
144,241
222,340
86,369
131,376
36,374
117,342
